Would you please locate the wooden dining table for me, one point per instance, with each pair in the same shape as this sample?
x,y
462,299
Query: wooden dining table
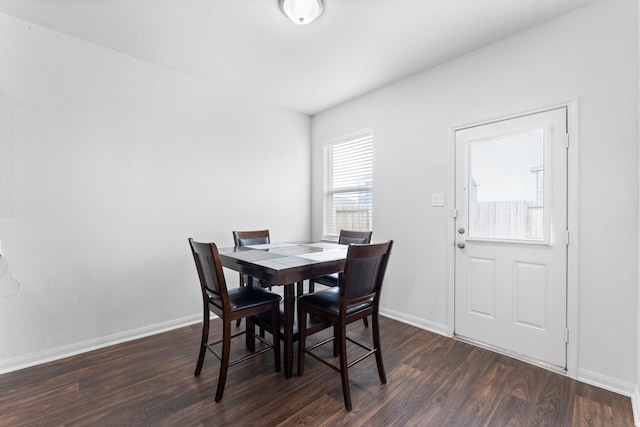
x,y
288,265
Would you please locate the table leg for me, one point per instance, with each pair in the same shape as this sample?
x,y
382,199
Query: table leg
x,y
289,306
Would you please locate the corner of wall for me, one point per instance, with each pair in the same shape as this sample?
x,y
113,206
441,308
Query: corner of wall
x,y
635,404
436,328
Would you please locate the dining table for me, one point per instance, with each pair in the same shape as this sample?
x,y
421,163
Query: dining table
x,y
288,265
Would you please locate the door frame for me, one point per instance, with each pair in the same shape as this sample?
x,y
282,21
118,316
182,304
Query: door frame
x,y
572,224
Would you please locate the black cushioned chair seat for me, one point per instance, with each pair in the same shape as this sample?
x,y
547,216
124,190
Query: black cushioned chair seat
x,y
247,297
329,302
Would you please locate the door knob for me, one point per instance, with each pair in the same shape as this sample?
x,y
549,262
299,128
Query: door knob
x,y
461,245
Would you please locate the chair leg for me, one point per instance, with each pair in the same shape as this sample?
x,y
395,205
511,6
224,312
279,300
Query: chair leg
x,y
376,346
203,341
275,333
262,284
336,342
224,360
343,367
302,341
366,322
300,287
241,285
250,330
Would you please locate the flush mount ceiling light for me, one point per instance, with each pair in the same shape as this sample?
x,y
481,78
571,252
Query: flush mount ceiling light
x,y
302,12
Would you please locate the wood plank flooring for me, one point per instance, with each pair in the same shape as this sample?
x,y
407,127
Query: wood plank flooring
x,y
432,381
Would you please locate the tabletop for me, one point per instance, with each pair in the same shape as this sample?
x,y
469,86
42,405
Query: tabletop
x,y
286,263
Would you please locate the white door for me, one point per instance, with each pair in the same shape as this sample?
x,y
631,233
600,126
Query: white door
x,y
511,235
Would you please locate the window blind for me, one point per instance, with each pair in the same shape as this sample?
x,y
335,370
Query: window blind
x,y
348,184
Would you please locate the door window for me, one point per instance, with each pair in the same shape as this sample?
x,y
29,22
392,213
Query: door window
x,y
506,187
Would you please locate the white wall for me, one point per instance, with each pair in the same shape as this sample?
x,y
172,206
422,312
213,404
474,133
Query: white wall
x,y
107,165
590,56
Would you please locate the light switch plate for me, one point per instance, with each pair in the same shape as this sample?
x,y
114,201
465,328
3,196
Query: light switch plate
x,y
437,199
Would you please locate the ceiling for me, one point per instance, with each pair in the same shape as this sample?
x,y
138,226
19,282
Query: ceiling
x,y
249,46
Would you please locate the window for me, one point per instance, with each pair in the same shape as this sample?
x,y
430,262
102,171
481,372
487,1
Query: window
x,y
348,184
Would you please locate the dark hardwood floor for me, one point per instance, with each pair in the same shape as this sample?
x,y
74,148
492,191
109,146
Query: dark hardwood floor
x,y
432,381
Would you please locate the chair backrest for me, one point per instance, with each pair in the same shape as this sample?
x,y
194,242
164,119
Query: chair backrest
x,y
246,238
356,237
209,266
364,271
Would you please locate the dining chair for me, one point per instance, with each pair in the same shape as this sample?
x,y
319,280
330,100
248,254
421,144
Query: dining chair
x,y
258,237
230,305
247,238
346,237
356,297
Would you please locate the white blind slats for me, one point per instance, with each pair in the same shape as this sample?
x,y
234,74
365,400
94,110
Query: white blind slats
x,y
348,196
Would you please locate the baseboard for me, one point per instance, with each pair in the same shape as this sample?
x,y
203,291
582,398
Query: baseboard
x,y
17,363
436,328
606,382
